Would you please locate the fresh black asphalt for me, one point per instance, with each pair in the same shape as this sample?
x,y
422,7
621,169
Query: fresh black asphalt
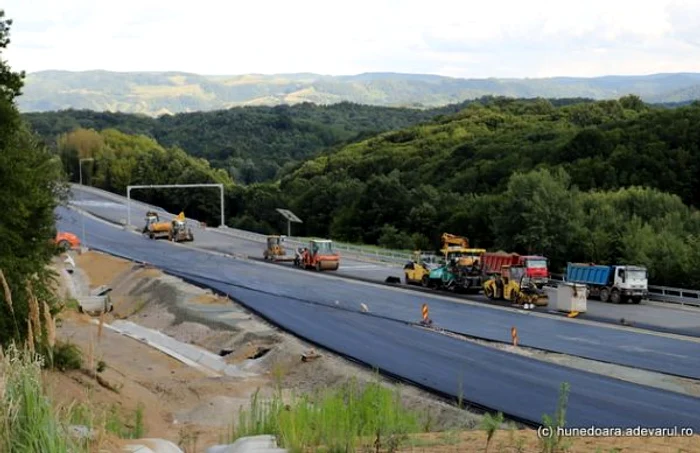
x,y
520,387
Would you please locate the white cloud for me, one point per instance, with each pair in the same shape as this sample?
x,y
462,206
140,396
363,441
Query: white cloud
x,y
495,38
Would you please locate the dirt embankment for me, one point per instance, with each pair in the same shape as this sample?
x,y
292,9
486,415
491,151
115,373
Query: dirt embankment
x,y
194,409
179,400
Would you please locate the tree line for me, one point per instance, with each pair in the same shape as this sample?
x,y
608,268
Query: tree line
x,y
30,189
251,143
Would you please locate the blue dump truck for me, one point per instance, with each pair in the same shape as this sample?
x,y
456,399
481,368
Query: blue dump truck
x,y
614,283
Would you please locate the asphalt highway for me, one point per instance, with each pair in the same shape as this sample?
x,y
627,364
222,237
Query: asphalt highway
x,y
518,386
651,316
597,342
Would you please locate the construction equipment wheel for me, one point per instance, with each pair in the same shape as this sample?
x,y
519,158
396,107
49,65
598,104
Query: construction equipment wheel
x,y
318,266
64,245
425,281
488,292
615,297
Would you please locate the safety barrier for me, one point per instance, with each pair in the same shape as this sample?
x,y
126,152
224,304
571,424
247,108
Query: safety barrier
x,y
679,296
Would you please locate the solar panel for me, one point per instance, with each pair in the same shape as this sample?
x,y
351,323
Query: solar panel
x,y
289,215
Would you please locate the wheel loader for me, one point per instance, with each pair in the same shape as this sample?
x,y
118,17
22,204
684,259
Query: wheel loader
x,y
275,251
318,255
514,285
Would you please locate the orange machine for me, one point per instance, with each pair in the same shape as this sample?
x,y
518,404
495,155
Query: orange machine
x,y
318,255
67,240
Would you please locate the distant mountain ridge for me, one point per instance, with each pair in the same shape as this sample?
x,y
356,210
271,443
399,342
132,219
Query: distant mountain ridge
x,y
155,93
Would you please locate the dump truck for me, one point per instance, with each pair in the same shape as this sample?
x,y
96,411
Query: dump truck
x,y
536,267
275,251
512,283
418,269
318,255
461,271
615,283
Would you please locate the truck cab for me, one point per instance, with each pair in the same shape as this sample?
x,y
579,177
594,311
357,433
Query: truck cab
x,y
536,269
631,281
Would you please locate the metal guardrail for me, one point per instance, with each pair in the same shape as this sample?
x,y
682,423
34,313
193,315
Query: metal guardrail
x,y
668,294
681,296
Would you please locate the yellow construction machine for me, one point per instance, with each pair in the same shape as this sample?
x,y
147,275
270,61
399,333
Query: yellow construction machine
x,y
457,247
418,269
513,285
175,230
275,251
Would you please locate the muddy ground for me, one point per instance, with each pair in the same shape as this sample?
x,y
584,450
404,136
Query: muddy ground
x,y
186,406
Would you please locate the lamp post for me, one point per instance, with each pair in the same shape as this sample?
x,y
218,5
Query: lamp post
x,y
80,170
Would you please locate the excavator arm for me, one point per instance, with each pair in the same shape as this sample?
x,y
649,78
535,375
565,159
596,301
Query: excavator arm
x,y
451,239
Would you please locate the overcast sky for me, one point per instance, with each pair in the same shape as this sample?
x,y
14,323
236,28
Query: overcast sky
x,y
460,38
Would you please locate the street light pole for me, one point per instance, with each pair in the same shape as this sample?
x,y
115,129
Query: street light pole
x,y
80,170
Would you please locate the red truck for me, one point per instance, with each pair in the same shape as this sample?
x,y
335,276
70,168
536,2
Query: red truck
x,y
536,267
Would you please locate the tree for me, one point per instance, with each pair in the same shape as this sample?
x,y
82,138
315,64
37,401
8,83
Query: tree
x,y
30,191
538,213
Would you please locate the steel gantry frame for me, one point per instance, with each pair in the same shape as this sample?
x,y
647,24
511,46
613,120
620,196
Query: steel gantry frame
x,y
171,186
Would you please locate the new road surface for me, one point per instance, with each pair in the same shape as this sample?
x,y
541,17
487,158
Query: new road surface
x,y
520,387
648,315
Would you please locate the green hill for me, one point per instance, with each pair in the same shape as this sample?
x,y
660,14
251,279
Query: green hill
x,y
579,182
251,143
607,181
155,93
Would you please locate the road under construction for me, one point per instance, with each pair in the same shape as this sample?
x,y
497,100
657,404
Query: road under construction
x,y
351,312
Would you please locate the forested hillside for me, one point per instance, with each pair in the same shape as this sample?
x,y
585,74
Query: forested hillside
x,y
578,182
251,143
607,181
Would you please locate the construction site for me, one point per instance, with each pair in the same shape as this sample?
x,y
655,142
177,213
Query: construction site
x,y
158,322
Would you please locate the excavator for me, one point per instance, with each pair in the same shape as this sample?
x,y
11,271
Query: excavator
x,y
275,251
318,255
462,268
175,230
513,284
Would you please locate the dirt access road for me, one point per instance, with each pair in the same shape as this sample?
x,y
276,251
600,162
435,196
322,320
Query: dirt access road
x,y
195,410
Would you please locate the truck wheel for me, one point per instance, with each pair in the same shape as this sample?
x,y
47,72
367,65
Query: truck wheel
x,y
604,295
488,292
318,266
615,297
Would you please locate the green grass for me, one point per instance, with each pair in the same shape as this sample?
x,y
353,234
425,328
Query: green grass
x,y
29,423
345,419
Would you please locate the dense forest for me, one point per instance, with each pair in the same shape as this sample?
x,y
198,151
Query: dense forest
x,y
607,181
251,143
